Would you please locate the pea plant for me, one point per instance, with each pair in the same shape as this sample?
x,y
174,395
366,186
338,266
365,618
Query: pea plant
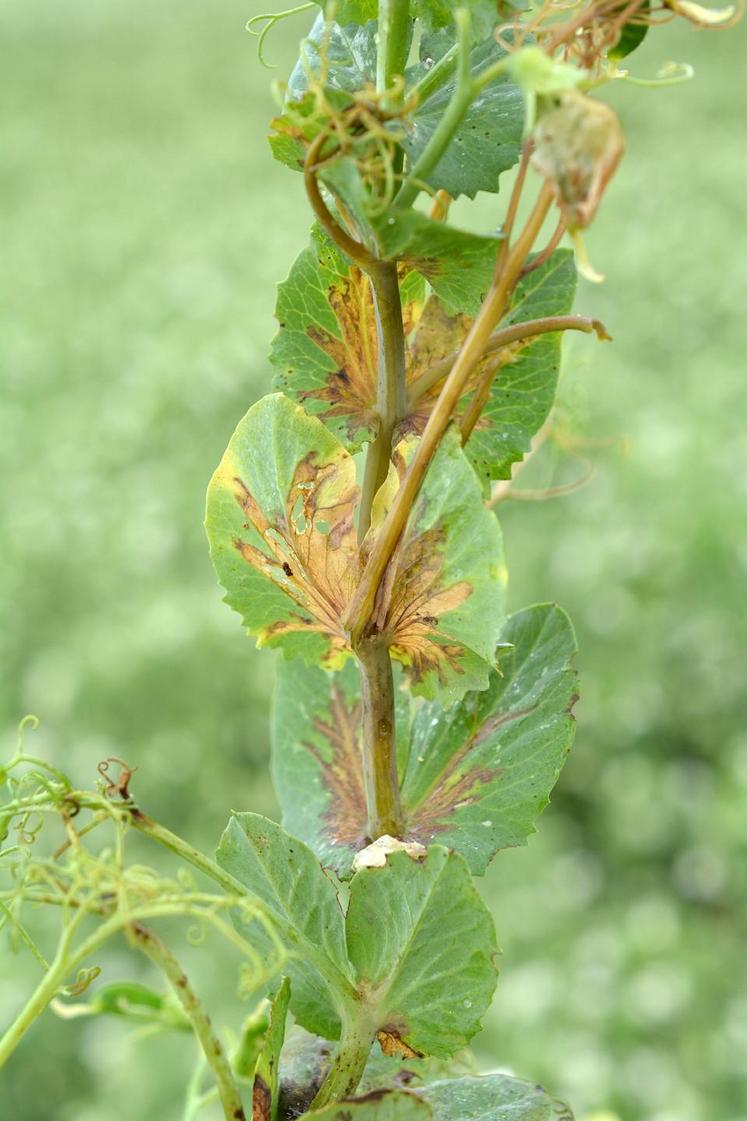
x,y
418,728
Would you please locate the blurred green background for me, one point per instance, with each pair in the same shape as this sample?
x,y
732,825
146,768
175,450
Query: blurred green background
x,y
143,228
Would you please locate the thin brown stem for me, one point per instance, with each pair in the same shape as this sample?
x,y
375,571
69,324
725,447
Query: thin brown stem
x,y
379,750
215,1056
518,332
513,267
342,239
540,258
513,202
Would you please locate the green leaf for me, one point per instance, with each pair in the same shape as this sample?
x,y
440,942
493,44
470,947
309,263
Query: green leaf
x,y
325,352
280,523
459,266
288,879
488,141
479,775
632,35
422,943
446,604
491,1097
345,54
267,1075
381,1105
436,14
476,778
524,388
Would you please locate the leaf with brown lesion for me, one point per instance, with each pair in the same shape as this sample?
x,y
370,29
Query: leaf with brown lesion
x,y
280,520
441,604
478,776
474,778
326,351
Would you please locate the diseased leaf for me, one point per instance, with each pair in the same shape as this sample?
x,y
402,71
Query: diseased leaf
x,y
444,607
316,758
491,1097
288,879
479,775
488,141
280,522
417,933
380,1105
326,351
526,373
475,778
524,388
281,526
266,1075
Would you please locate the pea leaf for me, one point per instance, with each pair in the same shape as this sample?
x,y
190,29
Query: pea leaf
x,y
280,523
417,933
491,1097
459,266
488,141
446,598
289,880
382,1105
475,778
325,352
266,1081
479,775
316,760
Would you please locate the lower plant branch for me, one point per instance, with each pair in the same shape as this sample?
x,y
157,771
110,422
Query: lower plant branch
x,y
348,1064
378,743
213,1051
360,608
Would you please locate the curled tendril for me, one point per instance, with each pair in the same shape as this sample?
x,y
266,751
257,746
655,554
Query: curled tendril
x,y
670,74
269,19
84,978
197,934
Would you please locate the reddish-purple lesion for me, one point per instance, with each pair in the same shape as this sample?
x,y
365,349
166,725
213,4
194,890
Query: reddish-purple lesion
x,y
341,770
459,784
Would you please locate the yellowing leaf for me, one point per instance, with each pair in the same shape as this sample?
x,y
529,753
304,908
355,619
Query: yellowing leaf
x,y
280,519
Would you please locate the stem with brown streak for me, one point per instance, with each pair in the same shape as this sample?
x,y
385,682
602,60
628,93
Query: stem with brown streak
x,y
215,1056
379,752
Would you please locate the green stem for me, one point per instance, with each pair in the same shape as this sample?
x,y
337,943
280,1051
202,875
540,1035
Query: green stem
x,y
449,123
348,1064
379,748
215,1056
37,1003
394,41
391,401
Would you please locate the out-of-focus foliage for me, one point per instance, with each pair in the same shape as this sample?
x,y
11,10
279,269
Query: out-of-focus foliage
x,y
144,228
